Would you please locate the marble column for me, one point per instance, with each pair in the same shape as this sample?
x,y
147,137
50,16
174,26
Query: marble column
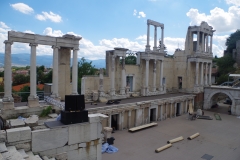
x,y
143,116
154,76
101,82
110,120
147,76
123,112
198,39
55,72
203,41
123,85
129,118
166,105
201,74
113,76
175,110
186,104
161,75
171,111
206,74
161,111
210,45
196,75
75,72
155,38
148,38
210,74
33,70
207,50
8,73
162,39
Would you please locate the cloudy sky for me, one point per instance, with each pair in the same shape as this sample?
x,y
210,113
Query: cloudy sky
x,y
107,24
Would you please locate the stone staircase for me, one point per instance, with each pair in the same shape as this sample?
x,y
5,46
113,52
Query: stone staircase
x,y
11,153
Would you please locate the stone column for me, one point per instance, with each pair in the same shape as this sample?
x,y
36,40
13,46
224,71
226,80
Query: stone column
x,y
210,74
75,72
143,117
196,75
161,75
162,39
146,77
198,39
161,111
207,44
175,110
186,104
109,120
8,74
33,70
154,76
55,72
148,37
201,74
210,45
123,85
123,112
205,74
171,111
203,41
166,105
101,82
113,76
155,38
129,118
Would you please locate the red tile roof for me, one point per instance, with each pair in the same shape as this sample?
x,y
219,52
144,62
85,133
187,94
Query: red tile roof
x,y
19,87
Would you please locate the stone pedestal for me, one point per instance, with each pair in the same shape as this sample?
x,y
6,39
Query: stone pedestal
x,y
107,131
33,102
7,105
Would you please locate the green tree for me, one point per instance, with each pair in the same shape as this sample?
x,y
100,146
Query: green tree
x,y
231,41
2,74
130,60
47,78
20,79
1,88
84,68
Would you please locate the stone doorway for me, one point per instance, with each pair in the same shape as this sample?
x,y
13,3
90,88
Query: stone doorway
x,y
129,80
114,122
153,115
179,82
178,109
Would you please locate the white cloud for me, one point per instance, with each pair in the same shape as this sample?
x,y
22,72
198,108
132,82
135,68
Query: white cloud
x,y
28,31
142,14
51,16
139,14
3,25
21,7
219,19
234,2
134,12
49,32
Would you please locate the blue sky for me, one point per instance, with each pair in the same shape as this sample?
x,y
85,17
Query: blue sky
x,y
110,23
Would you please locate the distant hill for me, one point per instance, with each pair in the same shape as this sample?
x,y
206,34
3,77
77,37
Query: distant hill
x,y
23,59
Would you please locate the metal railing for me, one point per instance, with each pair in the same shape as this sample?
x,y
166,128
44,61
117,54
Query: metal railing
x,y
23,96
55,102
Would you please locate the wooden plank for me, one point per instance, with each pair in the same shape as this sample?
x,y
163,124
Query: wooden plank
x,y
142,127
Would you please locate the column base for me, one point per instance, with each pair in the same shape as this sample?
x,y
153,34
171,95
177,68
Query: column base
x,y
33,102
155,48
153,89
112,92
7,105
8,99
147,48
122,91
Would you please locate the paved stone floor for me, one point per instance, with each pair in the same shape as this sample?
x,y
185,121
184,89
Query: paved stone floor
x,y
220,139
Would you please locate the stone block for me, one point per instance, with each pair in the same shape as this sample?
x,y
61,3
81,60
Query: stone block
x,y
3,136
82,145
61,156
22,152
7,106
32,121
84,132
43,140
26,145
67,148
102,100
107,131
53,115
18,134
94,118
17,123
12,154
83,153
3,147
33,102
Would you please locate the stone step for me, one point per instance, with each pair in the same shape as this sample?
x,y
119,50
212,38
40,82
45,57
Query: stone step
x,y
12,154
3,147
37,157
1,157
32,156
23,153
46,158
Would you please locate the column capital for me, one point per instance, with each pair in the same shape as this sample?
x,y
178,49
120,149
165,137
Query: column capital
x,y
147,59
74,49
33,44
54,46
7,41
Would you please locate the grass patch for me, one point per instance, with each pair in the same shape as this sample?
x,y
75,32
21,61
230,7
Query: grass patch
x,y
46,111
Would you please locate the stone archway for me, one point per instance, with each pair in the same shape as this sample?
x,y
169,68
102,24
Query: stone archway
x,y
209,100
